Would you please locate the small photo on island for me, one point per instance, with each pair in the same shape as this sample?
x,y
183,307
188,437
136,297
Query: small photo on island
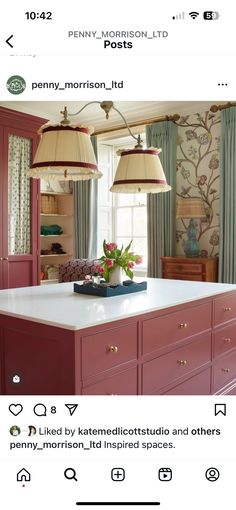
x,y
117,271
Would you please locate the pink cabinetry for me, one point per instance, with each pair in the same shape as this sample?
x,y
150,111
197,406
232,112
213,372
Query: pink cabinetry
x,y
162,332
168,368
188,349
109,349
123,383
19,266
36,359
197,385
224,344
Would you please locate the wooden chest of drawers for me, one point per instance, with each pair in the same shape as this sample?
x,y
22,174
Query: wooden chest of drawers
x,y
186,268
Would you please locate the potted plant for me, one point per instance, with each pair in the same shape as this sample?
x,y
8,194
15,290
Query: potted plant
x,y
117,260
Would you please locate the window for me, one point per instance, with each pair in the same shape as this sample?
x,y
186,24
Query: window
x,y
105,205
121,216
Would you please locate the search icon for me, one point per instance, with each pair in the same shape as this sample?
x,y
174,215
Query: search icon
x,y
70,474
40,410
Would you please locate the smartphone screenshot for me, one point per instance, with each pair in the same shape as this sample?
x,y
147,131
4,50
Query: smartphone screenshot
x,y
117,255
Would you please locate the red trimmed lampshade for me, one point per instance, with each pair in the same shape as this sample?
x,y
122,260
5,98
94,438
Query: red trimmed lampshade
x,y
140,170
65,152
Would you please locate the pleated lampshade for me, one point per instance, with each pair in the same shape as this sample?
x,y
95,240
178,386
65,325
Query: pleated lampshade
x,y
190,207
139,170
65,152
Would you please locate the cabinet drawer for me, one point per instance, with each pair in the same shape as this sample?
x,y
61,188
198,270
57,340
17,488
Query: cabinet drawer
x,y
108,349
198,385
224,339
174,327
176,364
180,276
169,267
224,371
224,309
124,383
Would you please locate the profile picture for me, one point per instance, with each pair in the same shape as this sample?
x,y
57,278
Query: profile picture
x,y
31,430
15,430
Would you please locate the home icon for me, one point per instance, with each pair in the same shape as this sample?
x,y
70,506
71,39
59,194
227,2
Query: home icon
x,y
23,475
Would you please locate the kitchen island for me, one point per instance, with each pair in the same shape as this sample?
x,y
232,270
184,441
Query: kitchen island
x,y
178,337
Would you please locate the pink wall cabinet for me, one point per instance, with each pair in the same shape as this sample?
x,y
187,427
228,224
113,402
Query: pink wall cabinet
x,y
19,210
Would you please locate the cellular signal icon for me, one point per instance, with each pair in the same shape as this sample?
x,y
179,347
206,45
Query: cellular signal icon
x,y
194,14
179,16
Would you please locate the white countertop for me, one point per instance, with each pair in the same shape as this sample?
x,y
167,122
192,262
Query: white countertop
x,y
57,304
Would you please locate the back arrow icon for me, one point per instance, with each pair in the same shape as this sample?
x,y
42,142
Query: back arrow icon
x,y
8,41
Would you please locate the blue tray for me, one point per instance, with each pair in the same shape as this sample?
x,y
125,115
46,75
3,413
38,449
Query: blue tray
x,y
128,287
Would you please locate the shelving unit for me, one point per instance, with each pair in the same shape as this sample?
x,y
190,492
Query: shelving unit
x,y
63,218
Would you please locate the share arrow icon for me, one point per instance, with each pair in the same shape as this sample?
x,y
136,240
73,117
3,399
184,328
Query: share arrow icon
x,y
72,408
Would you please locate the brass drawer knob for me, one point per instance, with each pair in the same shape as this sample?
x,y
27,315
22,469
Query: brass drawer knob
x,y
227,309
226,370
227,340
112,348
182,362
183,325
5,258
1,258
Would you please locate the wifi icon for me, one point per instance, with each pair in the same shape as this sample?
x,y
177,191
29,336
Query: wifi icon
x,y
194,14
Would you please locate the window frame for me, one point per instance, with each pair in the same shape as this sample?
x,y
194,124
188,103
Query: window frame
x,y
126,142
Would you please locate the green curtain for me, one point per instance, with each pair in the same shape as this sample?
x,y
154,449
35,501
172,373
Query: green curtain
x,y
85,215
227,255
161,208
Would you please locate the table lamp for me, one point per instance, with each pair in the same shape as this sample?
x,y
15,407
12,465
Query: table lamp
x,y
191,208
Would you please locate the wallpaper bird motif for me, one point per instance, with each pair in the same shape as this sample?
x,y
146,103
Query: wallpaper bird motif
x,y
198,168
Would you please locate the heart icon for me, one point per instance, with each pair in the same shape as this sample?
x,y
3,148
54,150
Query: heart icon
x,y
15,409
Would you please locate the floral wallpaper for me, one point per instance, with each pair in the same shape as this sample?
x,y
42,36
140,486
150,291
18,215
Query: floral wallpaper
x,y
198,161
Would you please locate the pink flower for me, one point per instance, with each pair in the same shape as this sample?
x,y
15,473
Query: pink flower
x,y
99,269
111,246
130,265
139,260
109,262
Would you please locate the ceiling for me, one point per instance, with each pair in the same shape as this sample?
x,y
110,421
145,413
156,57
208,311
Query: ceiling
x,y
93,115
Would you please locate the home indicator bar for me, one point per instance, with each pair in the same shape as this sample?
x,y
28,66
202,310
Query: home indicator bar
x,y
121,503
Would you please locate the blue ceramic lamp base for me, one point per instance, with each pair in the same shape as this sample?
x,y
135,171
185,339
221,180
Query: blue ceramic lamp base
x,y
192,247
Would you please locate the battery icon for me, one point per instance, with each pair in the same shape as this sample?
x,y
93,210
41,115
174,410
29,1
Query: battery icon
x,y
211,15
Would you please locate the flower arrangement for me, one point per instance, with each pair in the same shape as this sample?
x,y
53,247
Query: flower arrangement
x,y
117,257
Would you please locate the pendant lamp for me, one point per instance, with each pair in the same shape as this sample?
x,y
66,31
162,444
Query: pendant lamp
x,y
65,152
140,171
